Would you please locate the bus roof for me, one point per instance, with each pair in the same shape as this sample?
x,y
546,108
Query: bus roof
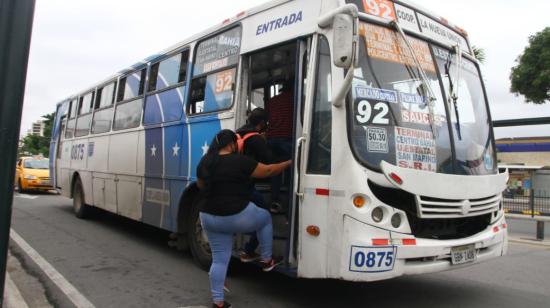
x,y
231,21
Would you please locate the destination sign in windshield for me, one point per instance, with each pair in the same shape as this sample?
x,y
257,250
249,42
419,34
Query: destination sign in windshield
x,y
411,20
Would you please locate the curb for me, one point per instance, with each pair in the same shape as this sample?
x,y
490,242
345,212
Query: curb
x,y
527,217
12,296
527,241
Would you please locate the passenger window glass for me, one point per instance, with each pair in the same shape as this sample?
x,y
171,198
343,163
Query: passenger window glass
x,y
73,106
105,96
321,126
212,88
86,103
83,125
168,72
128,115
131,85
102,121
166,106
70,128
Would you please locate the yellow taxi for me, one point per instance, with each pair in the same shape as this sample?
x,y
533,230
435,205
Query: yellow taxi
x,y
32,173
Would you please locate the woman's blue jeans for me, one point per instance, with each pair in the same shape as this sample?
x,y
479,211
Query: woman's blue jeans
x,y
220,230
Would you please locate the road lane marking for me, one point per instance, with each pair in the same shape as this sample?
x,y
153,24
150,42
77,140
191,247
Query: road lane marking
x,y
12,296
66,287
25,196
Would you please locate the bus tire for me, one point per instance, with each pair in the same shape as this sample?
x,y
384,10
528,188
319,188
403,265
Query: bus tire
x,y
80,208
196,237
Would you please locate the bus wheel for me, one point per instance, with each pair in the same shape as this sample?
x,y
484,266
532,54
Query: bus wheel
x,y
197,239
81,209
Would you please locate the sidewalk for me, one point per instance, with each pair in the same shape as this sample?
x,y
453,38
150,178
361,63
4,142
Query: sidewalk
x,y
12,296
22,289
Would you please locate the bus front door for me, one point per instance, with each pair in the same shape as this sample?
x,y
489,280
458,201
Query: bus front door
x,y
312,172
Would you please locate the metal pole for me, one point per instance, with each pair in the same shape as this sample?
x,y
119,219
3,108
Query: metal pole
x,y
532,194
15,36
540,230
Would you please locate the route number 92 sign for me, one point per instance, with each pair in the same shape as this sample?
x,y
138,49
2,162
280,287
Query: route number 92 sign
x,y
372,259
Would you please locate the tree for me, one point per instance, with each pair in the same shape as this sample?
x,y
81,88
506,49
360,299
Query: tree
x,y
479,53
531,76
34,144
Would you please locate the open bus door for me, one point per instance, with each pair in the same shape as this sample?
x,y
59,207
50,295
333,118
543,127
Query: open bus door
x,y
312,172
55,145
264,74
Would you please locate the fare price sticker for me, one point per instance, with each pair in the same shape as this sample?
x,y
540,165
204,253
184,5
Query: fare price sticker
x,y
377,140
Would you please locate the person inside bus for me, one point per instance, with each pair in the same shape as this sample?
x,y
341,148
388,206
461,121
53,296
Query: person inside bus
x,y
255,147
224,179
280,109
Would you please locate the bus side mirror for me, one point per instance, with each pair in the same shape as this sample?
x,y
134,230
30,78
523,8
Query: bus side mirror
x,y
343,40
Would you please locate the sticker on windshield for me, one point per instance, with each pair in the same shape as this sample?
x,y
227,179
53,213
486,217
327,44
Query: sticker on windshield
x,y
377,139
385,44
413,99
415,117
376,94
372,112
415,149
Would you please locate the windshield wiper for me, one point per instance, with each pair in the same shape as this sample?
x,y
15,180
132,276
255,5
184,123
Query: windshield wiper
x,y
453,90
423,78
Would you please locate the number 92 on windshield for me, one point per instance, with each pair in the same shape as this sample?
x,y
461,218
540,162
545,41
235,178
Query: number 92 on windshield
x,y
372,112
372,259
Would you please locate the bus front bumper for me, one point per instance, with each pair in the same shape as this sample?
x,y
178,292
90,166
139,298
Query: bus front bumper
x,y
371,253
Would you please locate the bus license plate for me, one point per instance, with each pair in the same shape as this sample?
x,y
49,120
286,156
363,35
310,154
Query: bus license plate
x,y
463,254
372,259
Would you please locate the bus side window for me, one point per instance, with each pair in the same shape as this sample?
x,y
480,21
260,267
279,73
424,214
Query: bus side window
x,y
131,85
84,115
168,72
321,126
196,105
103,116
215,72
166,87
69,131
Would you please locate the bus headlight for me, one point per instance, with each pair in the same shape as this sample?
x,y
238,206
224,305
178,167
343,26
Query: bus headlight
x,y
377,214
396,220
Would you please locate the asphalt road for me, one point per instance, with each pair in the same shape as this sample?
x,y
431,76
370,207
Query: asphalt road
x,y
115,262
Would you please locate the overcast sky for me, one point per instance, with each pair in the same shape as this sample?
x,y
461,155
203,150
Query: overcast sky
x,y
77,43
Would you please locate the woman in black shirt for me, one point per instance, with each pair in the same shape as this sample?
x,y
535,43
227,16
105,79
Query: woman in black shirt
x,y
224,178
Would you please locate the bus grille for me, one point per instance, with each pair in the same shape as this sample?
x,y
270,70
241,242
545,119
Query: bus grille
x,y
428,207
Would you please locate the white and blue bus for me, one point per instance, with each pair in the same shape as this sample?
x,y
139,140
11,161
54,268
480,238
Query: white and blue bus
x,y
394,156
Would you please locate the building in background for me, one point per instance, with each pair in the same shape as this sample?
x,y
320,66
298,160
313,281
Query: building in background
x,y
37,128
528,161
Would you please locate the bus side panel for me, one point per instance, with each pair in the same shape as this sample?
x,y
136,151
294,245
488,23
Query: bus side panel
x,y
123,149
98,159
63,169
176,168
155,198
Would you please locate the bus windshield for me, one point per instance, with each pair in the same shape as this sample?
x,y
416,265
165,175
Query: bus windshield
x,y
390,118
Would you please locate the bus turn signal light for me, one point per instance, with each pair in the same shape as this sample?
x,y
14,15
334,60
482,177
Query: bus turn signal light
x,y
359,202
313,230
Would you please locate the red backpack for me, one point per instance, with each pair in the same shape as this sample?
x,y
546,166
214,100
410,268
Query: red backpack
x,y
241,140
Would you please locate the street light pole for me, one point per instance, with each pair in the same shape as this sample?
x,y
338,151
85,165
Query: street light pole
x,y
15,36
